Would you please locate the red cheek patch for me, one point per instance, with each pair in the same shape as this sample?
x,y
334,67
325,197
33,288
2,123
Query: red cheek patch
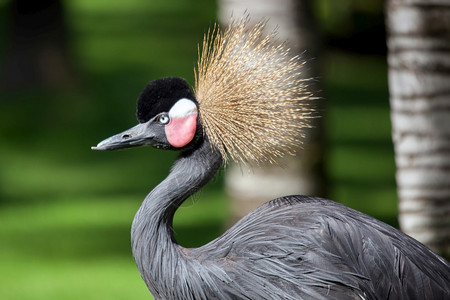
x,y
180,131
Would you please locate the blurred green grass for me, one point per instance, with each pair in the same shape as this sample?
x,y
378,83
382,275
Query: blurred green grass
x,y
66,211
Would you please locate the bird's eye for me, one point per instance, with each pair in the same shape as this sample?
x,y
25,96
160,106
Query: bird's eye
x,y
163,118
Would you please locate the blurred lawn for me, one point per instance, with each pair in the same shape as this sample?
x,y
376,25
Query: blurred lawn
x,y
66,211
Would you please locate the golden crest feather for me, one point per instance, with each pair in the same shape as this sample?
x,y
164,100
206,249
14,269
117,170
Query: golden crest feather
x,y
253,103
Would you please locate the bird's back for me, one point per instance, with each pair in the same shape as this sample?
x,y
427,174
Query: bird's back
x,y
299,247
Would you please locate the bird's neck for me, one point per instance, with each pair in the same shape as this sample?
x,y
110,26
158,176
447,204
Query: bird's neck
x,y
154,247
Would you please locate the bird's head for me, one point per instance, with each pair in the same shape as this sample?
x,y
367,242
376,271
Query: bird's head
x,y
168,118
249,99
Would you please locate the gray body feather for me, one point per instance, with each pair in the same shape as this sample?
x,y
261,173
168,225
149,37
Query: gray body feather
x,y
294,247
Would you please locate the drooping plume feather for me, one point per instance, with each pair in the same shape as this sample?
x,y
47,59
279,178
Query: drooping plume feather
x,y
253,103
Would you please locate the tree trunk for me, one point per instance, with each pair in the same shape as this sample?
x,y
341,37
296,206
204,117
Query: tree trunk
x,y
303,174
419,85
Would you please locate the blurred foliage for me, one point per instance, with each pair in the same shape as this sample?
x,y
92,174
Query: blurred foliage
x,y
66,211
346,17
353,25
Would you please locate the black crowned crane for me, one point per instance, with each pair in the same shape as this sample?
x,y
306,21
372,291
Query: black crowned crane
x,y
250,105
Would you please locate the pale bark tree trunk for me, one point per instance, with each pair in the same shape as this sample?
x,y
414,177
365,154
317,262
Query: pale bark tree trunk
x,y
303,174
419,85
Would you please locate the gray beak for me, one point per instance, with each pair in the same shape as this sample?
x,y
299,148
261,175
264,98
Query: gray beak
x,y
137,136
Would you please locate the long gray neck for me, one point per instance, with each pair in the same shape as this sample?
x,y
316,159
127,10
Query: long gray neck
x,y
154,248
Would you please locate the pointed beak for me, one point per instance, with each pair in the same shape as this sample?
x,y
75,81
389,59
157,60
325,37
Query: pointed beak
x,y
137,136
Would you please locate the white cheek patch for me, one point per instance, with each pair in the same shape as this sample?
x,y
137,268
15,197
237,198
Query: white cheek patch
x,y
183,123
183,108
